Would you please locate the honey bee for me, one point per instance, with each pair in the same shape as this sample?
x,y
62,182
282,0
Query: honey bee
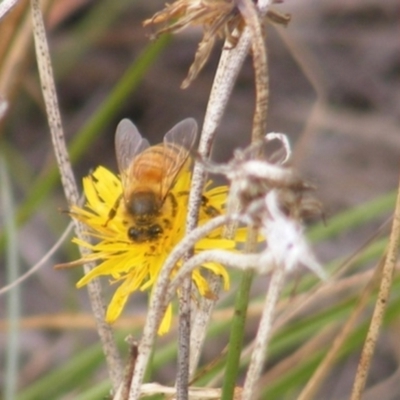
x,y
148,173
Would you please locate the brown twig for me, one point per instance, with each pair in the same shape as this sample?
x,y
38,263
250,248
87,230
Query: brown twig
x,y
264,332
69,184
315,382
133,354
228,69
380,306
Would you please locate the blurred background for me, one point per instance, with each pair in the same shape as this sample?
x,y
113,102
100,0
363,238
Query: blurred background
x,y
334,90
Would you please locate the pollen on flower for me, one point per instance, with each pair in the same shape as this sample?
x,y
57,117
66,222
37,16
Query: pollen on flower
x,y
136,265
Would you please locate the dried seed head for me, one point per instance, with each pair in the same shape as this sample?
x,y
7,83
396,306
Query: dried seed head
x,y
219,19
252,179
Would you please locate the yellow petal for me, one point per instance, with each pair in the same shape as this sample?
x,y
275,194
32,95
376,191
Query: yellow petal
x,y
136,266
166,321
118,301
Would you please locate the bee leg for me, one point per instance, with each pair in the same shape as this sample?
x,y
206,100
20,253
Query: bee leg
x,y
209,209
174,204
113,212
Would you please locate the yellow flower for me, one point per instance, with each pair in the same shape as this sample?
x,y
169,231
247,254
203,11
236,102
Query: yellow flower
x,y
136,265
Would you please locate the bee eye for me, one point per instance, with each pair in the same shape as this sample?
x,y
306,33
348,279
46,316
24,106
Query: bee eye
x,y
155,230
134,234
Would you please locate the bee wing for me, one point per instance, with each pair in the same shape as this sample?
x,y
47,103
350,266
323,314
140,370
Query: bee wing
x,y
181,138
128,144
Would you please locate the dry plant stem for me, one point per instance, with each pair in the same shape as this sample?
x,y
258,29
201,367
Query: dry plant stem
x,y
297,304
133,352
321,339
158,305
3,107
226,258
41,262
380,306
315,382
182,379
249,12
69,184
151,389
13,60
259,354
239,261
6,6
199,323
228,69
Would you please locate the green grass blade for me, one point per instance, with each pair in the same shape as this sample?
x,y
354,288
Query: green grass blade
x,y
14,295
353,218
70,375
237,336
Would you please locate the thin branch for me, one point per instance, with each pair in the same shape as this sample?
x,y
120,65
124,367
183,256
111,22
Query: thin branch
x,y
150,389
182,378
228,69
380,306
6,6
250,14
158,305
242,262
41,262
260,61
264,332
315,382
3,107
69,184
200,320
123,391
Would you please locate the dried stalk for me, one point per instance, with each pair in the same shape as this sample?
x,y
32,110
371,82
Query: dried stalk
x,y
41,262
123,391
230,63
380,306
3,107
228,69
184,333
264,332
243,262
6,6
151,389
315,382
288,248
69,184
260,63
158,304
